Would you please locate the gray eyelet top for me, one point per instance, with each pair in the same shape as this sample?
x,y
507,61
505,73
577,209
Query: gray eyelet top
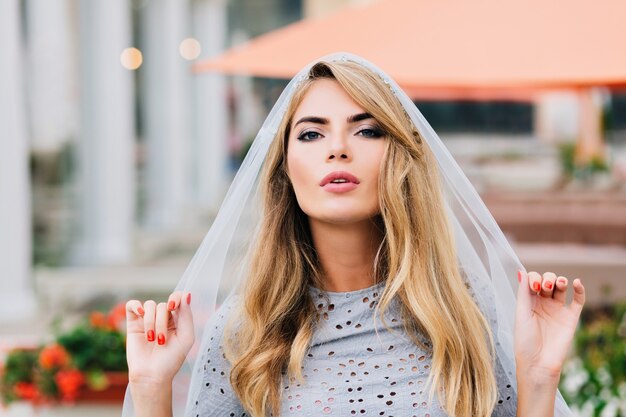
x,y
350,369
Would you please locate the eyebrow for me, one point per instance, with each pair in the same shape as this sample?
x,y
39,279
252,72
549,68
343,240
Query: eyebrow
x,y
323,121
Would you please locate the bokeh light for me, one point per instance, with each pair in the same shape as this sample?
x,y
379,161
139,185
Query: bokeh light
x,y
190,48
131,58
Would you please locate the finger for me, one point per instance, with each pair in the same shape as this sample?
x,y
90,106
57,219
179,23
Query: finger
x,y
184,327
547,286
149,319
579,295
134,317
134,307
162,319
174,300
534,281
560,289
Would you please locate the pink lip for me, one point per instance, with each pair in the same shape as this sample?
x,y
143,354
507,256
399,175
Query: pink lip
x,y
335,175
340,188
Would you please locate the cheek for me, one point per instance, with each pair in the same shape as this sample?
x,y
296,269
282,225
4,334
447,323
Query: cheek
x,y
298,164
376,160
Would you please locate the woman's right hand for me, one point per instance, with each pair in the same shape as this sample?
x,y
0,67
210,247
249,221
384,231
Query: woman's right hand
x,y
159,336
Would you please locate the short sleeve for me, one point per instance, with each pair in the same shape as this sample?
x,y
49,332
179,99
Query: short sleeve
x,y
506,404
216,397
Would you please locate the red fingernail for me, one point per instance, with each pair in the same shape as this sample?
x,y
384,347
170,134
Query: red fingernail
x,y
171,305
161,339
140,311
189,298
549,285
536,286
562,281
150,335
519,276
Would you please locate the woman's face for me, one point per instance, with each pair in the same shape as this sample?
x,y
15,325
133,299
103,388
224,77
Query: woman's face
x,y
331,134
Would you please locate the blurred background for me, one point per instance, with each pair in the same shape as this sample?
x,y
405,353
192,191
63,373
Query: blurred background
x,y
122,123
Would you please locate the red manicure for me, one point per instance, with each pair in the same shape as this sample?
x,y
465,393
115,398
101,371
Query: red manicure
x,y
161,339
171,305
150,335
536,286
549,285
519,276
189,298
140,311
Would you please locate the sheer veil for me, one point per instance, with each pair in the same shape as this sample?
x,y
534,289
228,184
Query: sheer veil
x,y
484,254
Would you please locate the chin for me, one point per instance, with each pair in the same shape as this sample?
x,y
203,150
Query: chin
x,y
341,216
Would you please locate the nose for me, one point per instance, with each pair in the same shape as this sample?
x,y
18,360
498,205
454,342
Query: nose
x,y
338,147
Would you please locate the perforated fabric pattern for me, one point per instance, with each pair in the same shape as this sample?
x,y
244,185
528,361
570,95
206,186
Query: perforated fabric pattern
x,y
349,370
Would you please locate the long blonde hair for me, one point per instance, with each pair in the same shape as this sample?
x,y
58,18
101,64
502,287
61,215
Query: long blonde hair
x,y
416,259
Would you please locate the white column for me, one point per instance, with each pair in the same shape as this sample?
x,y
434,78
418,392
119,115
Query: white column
x,y
107,142
165,103
210,109
556,116
16,294
52,78
591,141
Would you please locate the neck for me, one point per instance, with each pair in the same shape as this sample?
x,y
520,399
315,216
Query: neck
x,y
346,253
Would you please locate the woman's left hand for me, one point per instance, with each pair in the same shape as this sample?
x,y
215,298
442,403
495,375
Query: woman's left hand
x,y
544,325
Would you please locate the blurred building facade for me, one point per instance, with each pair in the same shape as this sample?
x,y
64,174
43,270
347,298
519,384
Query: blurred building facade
x,y
110,145
116,156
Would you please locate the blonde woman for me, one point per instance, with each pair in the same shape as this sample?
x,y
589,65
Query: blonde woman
x,y
376,285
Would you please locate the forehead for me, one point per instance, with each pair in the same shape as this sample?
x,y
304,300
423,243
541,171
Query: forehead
x,y
326,97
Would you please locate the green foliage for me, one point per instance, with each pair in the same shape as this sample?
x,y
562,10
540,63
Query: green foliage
x,y
95,348
52,180
17,368
78,357
53,168
594,381
18,364
597,164
567,153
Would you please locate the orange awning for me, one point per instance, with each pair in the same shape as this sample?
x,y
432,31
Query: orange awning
x,y
450,48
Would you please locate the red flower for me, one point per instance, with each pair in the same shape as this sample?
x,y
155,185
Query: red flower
x,y
26,391
98,320
117,315
53,356
69,382
110,321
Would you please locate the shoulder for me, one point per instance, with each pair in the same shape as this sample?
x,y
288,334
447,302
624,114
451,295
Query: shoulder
x,y
216,396
224,315
218,327
215,331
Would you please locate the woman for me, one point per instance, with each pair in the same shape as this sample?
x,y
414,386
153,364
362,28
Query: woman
x,y
368,291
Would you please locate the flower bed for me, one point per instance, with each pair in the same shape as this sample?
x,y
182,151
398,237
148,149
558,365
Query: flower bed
x,y
594,380
86,363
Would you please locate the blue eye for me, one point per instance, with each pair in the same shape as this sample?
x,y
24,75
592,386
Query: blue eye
x,y
304,136
371,133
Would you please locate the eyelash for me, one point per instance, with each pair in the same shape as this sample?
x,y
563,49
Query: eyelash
x,y
376,133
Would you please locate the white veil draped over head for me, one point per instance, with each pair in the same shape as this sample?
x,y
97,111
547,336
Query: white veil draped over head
x,y
484,255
